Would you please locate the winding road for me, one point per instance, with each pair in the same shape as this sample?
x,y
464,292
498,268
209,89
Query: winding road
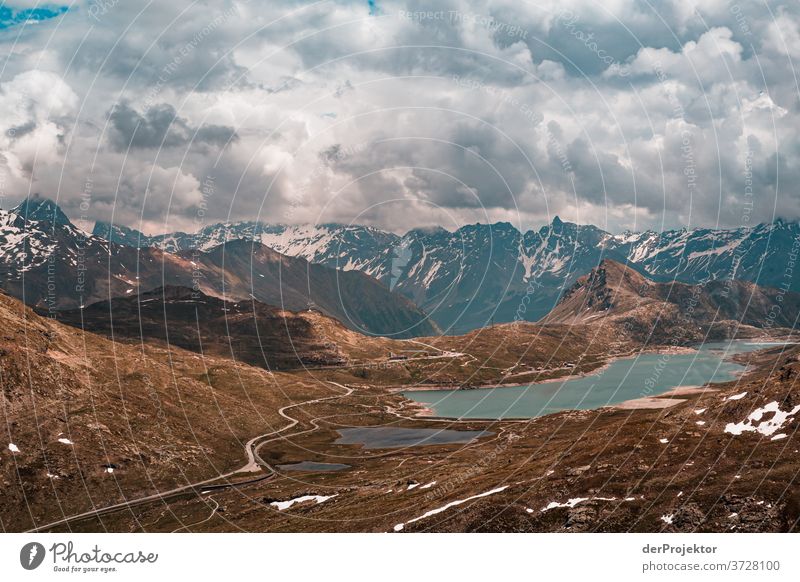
x,y
254,464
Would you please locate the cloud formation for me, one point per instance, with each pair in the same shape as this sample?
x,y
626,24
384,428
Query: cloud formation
x,y
161,127
629,115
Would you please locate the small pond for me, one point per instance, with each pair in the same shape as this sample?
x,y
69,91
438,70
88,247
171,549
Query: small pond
x,y
390,437
313,466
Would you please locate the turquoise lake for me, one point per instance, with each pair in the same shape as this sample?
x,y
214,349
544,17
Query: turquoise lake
x,y
624,379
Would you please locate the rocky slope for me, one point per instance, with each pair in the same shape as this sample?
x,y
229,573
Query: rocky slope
x,y
247,331
50,263
239,269
88,422
619,297
720,460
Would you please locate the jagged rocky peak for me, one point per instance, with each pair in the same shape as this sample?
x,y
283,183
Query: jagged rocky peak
x,y
610,273
604,288
41,209
558,226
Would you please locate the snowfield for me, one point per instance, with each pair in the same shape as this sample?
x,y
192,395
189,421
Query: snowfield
x,y
569,503
753,423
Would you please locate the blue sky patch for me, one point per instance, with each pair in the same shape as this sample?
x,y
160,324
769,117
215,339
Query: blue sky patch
x,y
10,17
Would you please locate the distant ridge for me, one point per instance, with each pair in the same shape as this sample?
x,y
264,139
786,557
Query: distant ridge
x,y
248,331
615,295
480,273
53,265
485,272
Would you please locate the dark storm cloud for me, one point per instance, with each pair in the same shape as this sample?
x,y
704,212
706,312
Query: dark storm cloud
x,y
21,130
161,127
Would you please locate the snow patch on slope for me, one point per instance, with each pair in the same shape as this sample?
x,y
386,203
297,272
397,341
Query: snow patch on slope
x,y
317,499
768,427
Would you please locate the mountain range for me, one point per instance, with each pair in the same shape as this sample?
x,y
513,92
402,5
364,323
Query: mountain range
x,y
485,273
373,281
190,379
51,264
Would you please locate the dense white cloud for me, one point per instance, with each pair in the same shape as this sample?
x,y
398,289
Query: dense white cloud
x,y
36,108
627,114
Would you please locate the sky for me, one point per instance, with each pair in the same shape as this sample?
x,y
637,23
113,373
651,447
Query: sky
x,y
629,115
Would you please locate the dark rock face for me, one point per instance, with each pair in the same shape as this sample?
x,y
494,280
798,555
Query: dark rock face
x,y
41,210
581,518
688,518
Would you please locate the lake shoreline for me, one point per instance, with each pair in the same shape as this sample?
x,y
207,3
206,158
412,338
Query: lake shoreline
x,y
678,350
664,399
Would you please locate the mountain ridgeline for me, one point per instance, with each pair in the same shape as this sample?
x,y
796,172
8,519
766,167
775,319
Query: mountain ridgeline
x,y
419,284
482,273
51,264
247,331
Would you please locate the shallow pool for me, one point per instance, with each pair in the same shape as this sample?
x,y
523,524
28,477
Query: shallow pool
x,y
390,437
313,466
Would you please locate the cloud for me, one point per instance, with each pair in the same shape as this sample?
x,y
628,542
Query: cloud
x,y
161,127
627,114
36,116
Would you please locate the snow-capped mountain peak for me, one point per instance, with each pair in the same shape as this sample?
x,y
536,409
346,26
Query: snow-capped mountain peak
x,y
479,272
42,210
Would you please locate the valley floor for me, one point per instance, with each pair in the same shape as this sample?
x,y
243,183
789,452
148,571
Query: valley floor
x,y
724,458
